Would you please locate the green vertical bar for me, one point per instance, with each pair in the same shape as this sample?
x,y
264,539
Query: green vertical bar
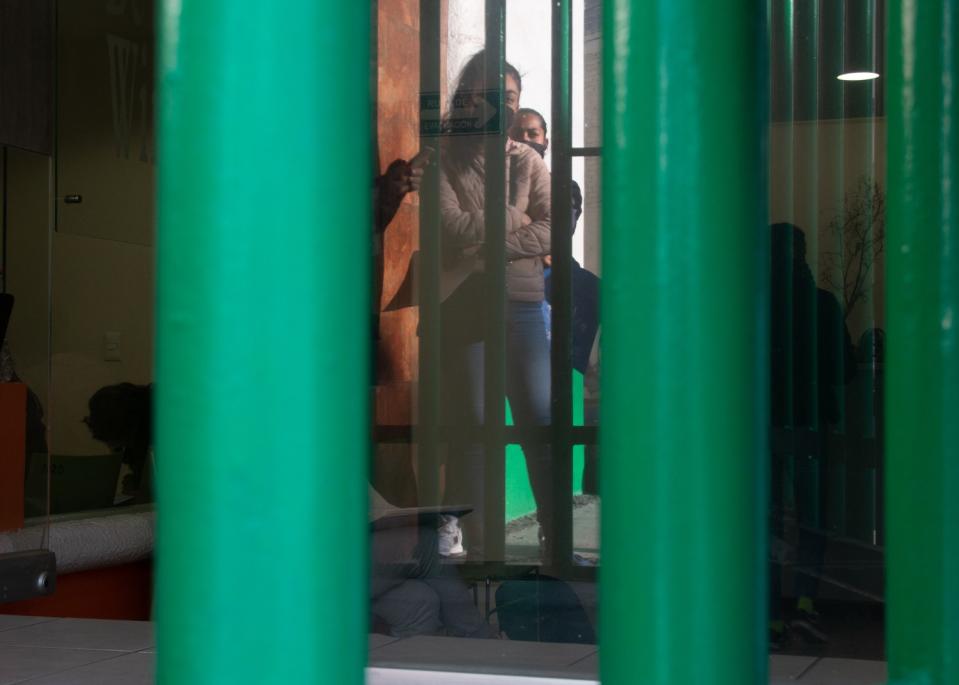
x,y
495,260
922,491
684,321
782,17
561,243
3,220
428,400
264,245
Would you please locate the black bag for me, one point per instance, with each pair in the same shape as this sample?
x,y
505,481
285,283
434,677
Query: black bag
x,y
542,609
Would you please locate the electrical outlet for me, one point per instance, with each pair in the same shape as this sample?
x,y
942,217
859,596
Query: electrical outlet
x,y
111,346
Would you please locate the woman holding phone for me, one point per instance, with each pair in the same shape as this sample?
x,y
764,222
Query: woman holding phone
x,y
463,311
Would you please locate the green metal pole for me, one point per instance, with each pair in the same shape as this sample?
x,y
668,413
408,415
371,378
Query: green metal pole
x,y
685,329
429,398
561,244
262,354
494,350
922,582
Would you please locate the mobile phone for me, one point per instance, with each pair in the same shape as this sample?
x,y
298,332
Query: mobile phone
x,y
422,158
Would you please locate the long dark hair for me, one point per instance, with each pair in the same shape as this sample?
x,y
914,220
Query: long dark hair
x,y
462,149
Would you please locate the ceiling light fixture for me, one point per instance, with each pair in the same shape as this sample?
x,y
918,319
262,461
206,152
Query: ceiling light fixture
x,y
858,76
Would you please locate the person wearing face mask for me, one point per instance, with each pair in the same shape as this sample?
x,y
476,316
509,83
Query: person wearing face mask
x,y
527,236
529,127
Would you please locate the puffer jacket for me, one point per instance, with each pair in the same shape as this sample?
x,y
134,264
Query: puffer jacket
x,y
464,227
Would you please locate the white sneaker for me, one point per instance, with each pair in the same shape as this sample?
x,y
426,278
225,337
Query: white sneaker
x,y
450,537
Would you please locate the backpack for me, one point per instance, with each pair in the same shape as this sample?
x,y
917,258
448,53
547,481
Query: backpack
x,y
542,609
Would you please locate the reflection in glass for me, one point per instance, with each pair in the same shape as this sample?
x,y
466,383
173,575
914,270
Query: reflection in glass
x,y
78,257
827,210
465,322
434,363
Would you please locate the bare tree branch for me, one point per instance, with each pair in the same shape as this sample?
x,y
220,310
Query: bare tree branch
x,y
859,232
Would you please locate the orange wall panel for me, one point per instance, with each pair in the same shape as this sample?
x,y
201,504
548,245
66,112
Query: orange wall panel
x,y
117,592
13,426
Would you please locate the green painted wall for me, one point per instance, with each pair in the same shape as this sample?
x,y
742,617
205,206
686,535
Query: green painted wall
x,y
519,496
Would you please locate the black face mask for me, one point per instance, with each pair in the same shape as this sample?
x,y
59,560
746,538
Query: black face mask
x,y
539,147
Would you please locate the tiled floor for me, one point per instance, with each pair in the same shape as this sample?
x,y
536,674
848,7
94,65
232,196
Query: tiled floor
x,y
486,656
43,651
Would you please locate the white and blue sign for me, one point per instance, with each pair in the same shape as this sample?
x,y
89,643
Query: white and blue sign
x,y
472,113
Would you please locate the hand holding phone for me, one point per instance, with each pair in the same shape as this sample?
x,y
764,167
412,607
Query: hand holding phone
x,y
422,158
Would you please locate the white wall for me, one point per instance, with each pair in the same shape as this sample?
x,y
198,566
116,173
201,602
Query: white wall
x,y
528,48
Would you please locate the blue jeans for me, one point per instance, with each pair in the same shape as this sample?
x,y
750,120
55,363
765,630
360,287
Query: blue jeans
x,y
527,389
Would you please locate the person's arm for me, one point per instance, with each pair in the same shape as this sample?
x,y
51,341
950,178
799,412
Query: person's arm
x,y
527,233
464,228
400,178
531,237
837,357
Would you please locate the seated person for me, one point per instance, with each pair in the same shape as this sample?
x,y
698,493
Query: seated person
x,y
411,592
121,416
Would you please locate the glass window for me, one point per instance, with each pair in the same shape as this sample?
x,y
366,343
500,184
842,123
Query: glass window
x,y
467,383
827,220
498,497
78,259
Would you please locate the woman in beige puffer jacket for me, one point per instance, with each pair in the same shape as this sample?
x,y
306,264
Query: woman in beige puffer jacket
x,y
465,296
